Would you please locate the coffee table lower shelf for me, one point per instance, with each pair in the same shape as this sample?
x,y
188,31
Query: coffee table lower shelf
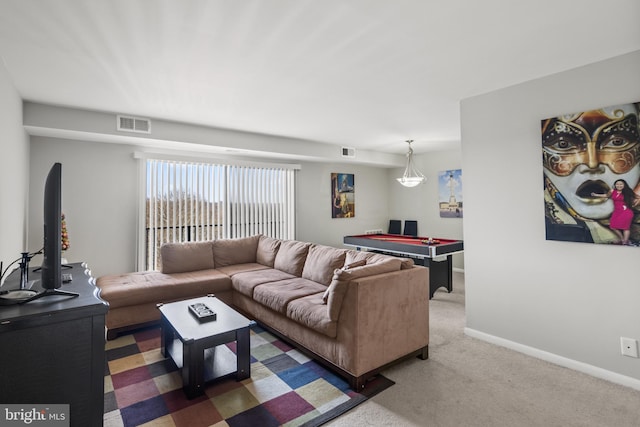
x,y
215,364
218,362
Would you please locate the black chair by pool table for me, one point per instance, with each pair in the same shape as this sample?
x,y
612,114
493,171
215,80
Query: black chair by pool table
x,y
410,228
395,226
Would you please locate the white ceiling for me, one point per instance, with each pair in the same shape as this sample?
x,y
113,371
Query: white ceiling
x,y
362,73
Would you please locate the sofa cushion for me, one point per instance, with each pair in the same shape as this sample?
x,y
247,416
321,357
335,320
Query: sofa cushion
x,y
267,250
245,282
153,287
321,262
291,256
355,264
356,256
276,295
325,295
186,256
334,294
353,256
406,263
232,270
312,313
235,251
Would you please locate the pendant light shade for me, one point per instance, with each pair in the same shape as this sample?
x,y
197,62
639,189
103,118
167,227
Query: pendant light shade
x,y
411,176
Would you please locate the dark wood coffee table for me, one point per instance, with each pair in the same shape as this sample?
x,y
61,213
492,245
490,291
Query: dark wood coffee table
x,y
197,347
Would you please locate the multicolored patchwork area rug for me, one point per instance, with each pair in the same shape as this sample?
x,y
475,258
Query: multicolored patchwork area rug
x,y
286,388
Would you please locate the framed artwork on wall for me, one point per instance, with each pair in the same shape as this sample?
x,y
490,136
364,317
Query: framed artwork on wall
x,y
592,175
342,195
450,193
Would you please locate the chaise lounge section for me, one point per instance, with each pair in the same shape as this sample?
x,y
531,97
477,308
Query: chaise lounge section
x,y
357,312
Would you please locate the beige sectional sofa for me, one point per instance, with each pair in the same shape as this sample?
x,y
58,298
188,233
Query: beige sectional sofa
x,y
356,311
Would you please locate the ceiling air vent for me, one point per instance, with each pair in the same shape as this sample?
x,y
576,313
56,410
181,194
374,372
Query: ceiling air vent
x,y
348,152
134,124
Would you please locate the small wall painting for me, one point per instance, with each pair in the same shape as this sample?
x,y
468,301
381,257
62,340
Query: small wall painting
x,y
450,193
342,195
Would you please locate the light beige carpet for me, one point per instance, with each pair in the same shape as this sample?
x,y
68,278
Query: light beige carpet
x,y
468,382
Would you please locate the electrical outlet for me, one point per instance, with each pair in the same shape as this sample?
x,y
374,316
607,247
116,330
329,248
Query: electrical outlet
x,y
629,347
376,231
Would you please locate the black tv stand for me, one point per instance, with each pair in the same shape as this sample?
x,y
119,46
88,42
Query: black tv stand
x,y
53,352
50,292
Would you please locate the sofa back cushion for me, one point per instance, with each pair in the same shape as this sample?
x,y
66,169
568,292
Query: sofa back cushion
x,y
354,264
291,256
186,256
321,263
373,258
267,250
235,251
334,295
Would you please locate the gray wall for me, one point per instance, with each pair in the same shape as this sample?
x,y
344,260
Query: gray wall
x,y
375,184
100,126
99,201
313,213
14,172
566,302
100,196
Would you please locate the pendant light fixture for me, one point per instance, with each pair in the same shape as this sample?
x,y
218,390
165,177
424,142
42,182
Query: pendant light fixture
x,y
411,176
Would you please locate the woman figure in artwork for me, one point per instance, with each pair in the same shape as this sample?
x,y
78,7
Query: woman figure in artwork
x,y
624,199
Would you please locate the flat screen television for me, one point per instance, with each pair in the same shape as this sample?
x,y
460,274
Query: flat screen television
x,y
52,256
51,270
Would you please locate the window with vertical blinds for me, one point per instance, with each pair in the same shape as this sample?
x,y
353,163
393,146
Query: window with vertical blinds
x,y
188,201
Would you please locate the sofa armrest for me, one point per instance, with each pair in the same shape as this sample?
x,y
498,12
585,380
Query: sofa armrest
x,y
385,317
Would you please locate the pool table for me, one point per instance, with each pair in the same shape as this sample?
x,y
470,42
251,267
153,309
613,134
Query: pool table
x,y
434,253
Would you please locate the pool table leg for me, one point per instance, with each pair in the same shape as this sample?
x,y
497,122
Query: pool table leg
x,y
440,274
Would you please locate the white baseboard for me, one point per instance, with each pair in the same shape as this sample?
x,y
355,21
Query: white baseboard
x,y
594,371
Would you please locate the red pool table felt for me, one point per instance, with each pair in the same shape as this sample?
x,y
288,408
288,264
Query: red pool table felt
x,y
409,240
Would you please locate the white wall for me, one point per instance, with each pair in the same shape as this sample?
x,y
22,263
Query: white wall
x,y
99,200
421,203
14,172
314,222
567,302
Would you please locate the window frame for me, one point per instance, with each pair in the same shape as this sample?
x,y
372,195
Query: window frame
x,y
229,230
